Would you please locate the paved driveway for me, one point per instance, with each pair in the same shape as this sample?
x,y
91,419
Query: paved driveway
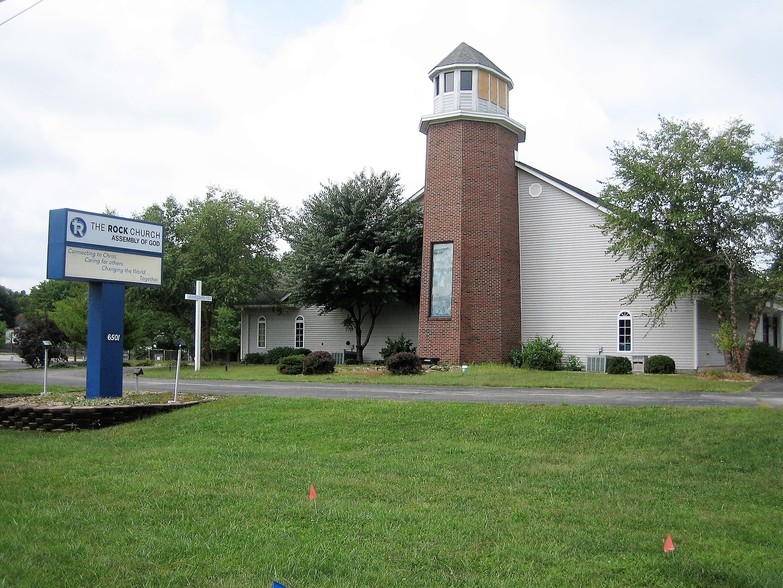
x,y
769,394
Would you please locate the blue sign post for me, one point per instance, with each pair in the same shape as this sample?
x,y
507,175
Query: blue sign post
x,y
109,252
105,334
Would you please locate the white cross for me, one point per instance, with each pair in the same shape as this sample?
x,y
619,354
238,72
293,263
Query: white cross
x,y
199,299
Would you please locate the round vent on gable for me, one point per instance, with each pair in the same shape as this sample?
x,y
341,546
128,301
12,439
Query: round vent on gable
x,y
535,190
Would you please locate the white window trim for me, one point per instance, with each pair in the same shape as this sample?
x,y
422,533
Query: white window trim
x,y
454,81
261,319
299,320
624,315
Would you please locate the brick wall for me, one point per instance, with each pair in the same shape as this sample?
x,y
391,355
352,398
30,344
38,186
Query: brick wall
x,y
470,199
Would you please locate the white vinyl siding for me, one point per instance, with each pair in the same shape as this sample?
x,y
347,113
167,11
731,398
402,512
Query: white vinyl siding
x,y
708,353
326,332
568,286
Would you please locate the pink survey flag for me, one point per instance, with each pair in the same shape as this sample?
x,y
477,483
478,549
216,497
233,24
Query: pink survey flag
x,y
312,492
668,545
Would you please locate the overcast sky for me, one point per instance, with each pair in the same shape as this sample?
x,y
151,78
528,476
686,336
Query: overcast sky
x,y
121,103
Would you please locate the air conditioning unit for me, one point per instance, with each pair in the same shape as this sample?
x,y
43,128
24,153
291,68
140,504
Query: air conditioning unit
x,y
596,363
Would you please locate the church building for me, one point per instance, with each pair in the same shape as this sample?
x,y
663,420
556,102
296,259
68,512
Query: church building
x,y
510,252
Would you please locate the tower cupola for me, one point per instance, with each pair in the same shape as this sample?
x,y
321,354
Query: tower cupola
x,y
466,83
467,80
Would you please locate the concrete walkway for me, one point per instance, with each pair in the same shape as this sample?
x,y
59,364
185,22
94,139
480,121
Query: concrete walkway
x,y
769,394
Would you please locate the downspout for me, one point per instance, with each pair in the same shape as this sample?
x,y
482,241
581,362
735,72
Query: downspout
x,y
696,334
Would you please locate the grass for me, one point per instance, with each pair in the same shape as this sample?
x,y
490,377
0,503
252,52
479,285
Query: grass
x,y
8,388
482,375
422,494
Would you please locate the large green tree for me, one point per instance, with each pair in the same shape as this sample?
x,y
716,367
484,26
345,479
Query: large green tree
x,y
226,241
355,247
43,297
9,305
226,332
70,315
696,213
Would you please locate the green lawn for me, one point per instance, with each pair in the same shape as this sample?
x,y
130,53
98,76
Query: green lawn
x,y
409,494
24,389
492,375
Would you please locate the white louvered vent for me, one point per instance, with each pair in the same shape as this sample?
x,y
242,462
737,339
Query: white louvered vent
x,y
596,363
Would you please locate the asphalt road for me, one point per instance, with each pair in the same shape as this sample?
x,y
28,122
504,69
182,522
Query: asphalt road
x,y
769,394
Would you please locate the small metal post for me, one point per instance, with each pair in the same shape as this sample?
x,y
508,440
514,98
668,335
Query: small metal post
x,y
180,343
137,372
46,345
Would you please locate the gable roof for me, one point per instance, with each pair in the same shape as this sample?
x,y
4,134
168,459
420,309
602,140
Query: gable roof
x,y
578,193
466,55
263,298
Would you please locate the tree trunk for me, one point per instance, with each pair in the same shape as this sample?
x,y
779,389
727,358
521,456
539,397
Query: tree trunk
x,y
736,351
373,316
750,336
357,318
359,346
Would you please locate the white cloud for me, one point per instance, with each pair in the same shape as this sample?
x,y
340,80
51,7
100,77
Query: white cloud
x,y
119,104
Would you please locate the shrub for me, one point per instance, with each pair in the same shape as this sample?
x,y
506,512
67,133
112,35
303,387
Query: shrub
x,y
764,359
397,346
573,364
291,365
659,364
404,363
351,361
274,355
318,362
538,354
29,339
618,365
255,358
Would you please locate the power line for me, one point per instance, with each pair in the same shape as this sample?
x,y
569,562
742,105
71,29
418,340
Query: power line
x,y
17,14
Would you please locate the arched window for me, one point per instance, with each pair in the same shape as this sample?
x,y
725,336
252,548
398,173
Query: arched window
x,y
261,332
299,332
624,325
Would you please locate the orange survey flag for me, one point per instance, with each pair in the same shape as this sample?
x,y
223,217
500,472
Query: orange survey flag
x,y
312,492
668,545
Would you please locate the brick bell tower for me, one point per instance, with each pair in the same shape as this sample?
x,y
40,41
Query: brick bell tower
x,y
470,308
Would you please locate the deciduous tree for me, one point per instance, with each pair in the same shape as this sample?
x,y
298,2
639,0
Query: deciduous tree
x,y
31,336
226,332
9,305
696,213
355,247
226,241
44,296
